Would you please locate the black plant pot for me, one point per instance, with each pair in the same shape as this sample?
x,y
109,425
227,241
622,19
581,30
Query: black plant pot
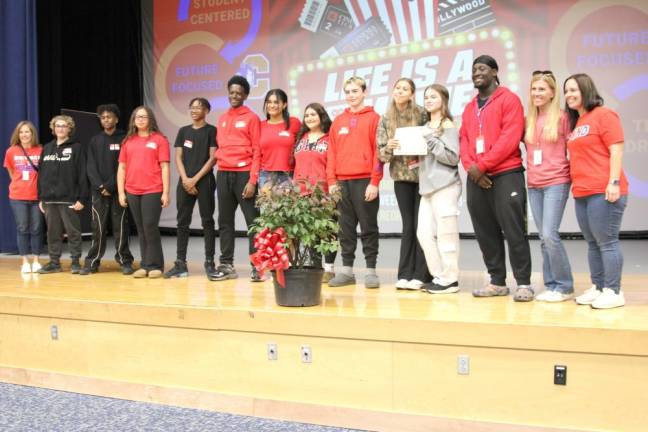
x,y
303,287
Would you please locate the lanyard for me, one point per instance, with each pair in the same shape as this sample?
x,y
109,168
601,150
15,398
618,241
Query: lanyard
x,y
479,113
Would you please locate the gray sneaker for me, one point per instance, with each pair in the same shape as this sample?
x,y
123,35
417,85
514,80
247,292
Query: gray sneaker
x,y
223,272
372,281
342,279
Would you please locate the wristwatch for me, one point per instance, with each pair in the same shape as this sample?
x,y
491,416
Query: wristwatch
x,y
614,182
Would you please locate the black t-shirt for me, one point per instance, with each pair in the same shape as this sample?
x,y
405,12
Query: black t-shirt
x,y
195,144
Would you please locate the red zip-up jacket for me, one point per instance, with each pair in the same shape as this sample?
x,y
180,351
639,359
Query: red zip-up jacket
x,y
237,136
352,152
502,126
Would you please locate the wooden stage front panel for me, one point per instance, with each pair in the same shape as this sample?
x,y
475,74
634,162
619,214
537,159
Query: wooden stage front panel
x,y
381,359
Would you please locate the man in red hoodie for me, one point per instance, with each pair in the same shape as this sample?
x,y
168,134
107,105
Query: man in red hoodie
x,y
237,160
491,130
354,168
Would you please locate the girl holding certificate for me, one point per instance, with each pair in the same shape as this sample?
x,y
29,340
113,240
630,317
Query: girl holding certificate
x,y
404,170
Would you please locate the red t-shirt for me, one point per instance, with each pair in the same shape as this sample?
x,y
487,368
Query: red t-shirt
x,y
142,156
24,182
551,167
277,144
589,152
310,161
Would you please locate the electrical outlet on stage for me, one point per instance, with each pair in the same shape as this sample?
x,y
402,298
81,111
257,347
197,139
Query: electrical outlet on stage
x,y
272,351
560,375
463,365
54,332
306,354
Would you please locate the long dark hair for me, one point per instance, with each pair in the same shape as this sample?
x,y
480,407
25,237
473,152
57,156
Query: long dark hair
x,y
325,120
283,98
152,124
590,97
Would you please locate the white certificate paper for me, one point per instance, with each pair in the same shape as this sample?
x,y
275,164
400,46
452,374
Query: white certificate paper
x,y
411,141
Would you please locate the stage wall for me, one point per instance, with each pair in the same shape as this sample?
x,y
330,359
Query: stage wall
x,y
309,47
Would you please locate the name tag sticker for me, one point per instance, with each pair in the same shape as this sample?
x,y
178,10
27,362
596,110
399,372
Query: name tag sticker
x,y
413,164
239,124
479,145
115,147
25,175
188,144
242,164
537,157
151,145
344,131
284,133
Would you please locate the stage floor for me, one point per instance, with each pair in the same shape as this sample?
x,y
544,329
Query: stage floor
x,y
382,359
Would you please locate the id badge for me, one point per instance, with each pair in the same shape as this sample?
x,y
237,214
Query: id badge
x,y
25,175
537,157
479,144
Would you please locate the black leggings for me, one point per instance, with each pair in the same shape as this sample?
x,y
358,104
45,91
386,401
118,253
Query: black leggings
x,y
146,210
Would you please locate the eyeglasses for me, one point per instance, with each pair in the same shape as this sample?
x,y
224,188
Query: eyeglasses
x,y
196,108
141,117
61,126
545,72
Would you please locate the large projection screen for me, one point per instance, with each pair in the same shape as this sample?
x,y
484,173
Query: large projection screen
x,y
309,47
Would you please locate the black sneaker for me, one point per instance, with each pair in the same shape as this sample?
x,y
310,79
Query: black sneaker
x,y
255,276
435,288
210,268
179,270
127,269
75,268
87,270
223,272
50,267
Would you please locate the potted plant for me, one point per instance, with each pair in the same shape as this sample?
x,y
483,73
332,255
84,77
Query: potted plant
x,y
297,225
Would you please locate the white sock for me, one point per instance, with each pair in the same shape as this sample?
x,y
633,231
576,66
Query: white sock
x,y
328,267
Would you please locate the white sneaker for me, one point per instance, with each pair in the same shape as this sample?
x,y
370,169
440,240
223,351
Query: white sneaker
x,y
543,295
35,267
588,297
26,268
414,284
402,284
556,296
608,300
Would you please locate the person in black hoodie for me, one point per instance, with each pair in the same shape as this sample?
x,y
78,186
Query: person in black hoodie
x,y
62,186
102,159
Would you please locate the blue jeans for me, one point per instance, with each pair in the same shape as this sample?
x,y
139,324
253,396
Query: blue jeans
x,y
600,222
547,206
29,224
276,177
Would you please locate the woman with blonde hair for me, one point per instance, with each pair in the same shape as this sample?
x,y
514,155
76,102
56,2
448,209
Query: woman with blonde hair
x,y
548,182
21,161
403,112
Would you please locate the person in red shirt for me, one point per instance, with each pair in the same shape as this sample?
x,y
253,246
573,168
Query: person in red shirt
x,y
277,139
143,185
354,168
548,182
237,160
599,186
21,161
490,134
311,158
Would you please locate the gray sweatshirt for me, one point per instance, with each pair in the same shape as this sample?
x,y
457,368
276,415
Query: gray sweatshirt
x,y
439,168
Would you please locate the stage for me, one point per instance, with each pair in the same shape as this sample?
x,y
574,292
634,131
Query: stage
x,y
379,359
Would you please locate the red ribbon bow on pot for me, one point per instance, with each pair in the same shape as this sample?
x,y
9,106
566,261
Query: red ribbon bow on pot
x,y
270,253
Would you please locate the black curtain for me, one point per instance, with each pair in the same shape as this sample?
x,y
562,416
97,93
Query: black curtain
x,y
89,53
18,93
